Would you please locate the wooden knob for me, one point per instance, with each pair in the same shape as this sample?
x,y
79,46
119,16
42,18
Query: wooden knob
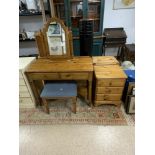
x,y
108,91
68,75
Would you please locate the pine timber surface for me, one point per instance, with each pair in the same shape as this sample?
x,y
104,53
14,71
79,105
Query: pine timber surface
x,y
65,65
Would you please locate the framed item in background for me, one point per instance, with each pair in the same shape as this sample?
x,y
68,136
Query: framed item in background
x,y
123,4
93,11
79,9
54,29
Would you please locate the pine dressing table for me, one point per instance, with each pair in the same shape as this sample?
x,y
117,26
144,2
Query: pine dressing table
x,y
77,68
56,61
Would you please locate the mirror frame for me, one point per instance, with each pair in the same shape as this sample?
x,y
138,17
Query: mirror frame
x,y
67,37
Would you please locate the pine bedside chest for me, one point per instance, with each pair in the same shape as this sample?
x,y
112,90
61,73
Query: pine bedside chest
x,y
109,85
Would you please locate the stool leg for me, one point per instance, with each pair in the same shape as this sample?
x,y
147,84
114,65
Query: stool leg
x,y
46,108
74,99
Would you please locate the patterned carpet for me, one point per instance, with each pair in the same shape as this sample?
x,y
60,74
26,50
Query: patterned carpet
x,y
60,113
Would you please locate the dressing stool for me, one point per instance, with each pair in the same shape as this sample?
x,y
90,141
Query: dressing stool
x,y
59,90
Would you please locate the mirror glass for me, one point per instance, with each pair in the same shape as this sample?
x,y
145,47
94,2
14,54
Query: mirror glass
x,y
56,39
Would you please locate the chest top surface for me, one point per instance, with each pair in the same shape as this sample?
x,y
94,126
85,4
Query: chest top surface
x,y
76,64
109,71
105,60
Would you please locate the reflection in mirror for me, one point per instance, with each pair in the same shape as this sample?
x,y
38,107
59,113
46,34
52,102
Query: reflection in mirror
x,y
56,39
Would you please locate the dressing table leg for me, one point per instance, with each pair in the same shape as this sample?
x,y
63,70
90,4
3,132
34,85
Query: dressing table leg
x,y
90,93
45,103
34,90
35,93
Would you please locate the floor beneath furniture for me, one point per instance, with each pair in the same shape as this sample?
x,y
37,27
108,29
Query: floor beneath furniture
x,y
60,113
76,140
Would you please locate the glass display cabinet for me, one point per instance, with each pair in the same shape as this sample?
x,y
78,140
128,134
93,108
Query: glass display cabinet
x,y
71,11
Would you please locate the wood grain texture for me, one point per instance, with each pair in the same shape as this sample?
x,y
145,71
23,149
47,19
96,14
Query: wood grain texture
x,y
107,97
109,71
74,76
109,90
117,103
111,82
104,60
40,44
64,65
77,68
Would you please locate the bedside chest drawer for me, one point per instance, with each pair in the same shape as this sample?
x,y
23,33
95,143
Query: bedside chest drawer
x,y
117,103
109,90
110,82
75,76
111,97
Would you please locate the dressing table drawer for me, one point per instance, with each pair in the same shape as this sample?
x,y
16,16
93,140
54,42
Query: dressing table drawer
x,y
74,76
44,76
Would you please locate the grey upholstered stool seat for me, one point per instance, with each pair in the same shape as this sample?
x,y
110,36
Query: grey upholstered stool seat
x,y
59,90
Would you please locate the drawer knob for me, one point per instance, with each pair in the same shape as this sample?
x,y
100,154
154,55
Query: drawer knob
x,y
110,83
105,97
68,75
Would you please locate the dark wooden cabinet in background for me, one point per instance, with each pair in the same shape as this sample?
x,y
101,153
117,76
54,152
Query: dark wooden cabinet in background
x,y
114,37
71,11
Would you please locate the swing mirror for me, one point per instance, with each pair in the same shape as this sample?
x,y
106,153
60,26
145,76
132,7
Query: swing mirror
x,y
55,40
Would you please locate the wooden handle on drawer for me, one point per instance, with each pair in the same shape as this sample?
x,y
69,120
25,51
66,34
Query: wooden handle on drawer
x,y
105,97
110,83
68,75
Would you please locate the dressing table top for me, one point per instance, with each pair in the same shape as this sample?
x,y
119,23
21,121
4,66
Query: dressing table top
x,y
78,64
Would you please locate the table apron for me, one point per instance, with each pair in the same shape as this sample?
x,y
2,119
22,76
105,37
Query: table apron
x,y
59,76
